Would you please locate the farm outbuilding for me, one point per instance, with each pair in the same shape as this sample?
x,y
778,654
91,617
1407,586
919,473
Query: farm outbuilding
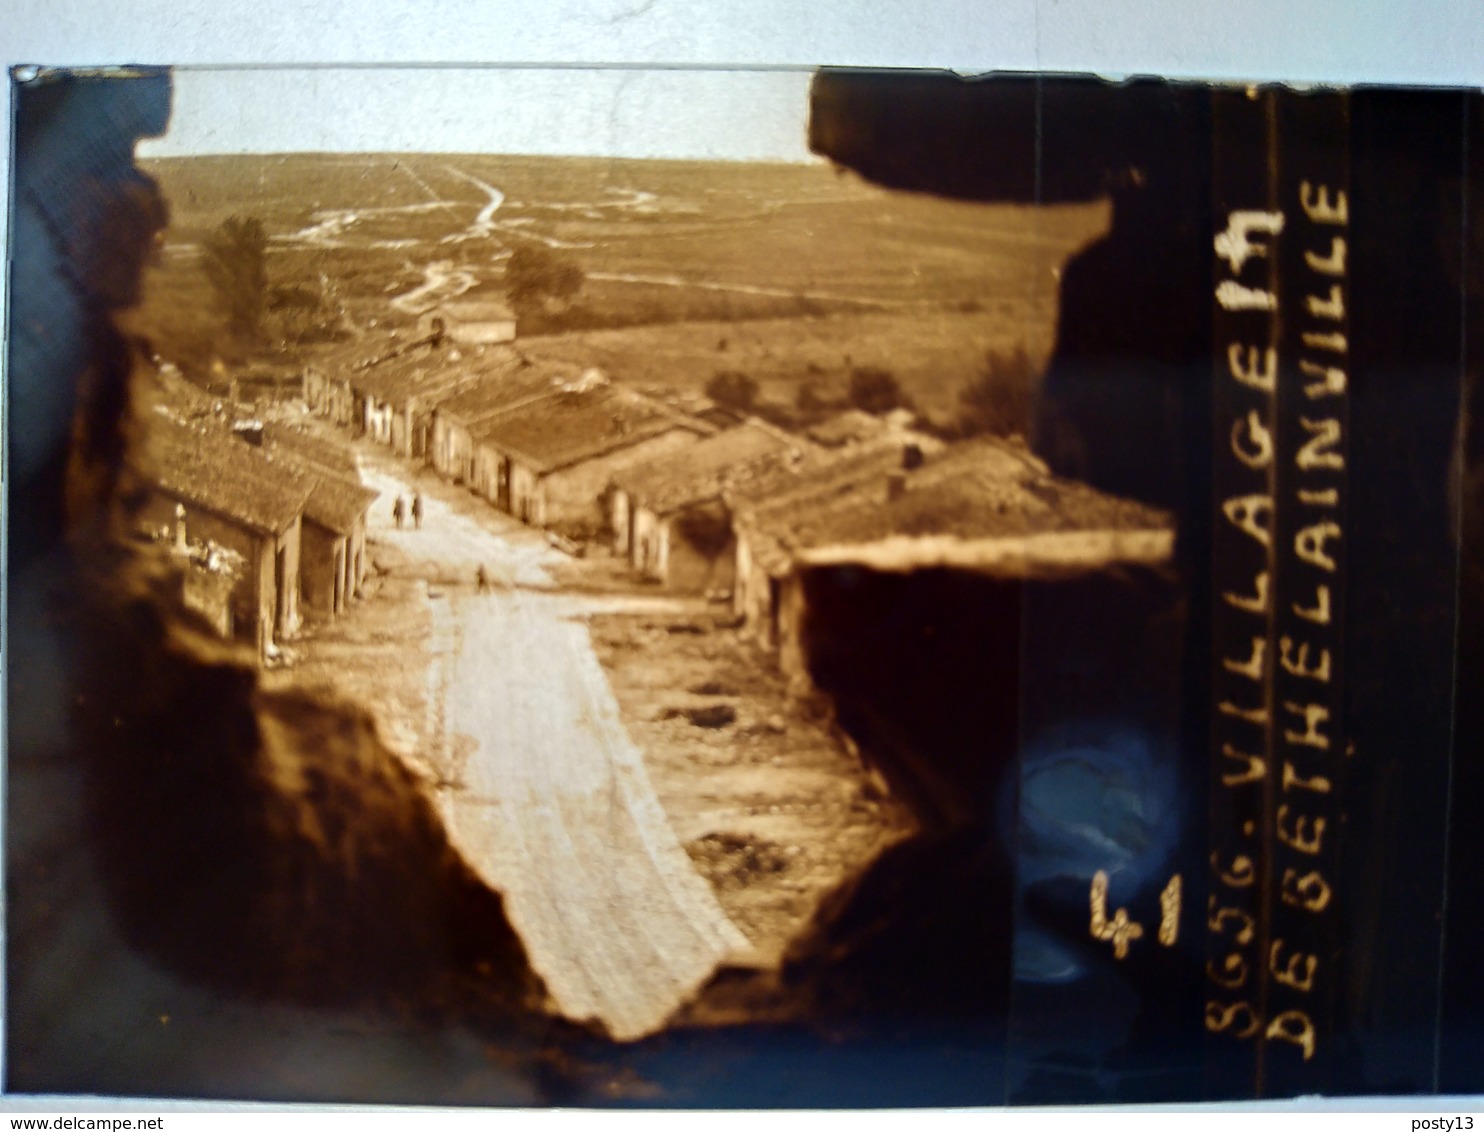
x,y
196,476
475,318
669,517
551,459
504,380
327,385
765,506
937,598
333,550
399,393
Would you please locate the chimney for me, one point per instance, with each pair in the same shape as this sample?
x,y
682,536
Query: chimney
x,y
896,486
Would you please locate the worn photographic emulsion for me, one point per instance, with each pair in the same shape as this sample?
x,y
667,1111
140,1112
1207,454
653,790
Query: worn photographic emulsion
x,y
742,589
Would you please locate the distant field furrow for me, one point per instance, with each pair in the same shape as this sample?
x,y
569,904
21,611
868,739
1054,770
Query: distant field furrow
x,y
795,272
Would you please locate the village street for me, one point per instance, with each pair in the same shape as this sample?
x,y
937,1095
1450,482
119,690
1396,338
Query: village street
x,y
540,786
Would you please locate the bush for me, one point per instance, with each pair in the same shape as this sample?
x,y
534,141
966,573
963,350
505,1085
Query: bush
x,y
534,274
875,390
734,390
998,399
235,259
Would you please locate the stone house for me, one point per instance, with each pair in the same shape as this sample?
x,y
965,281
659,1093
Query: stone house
x,y
397,395
985,507
669,517
505,380
476,318
195,483
549,461
333,545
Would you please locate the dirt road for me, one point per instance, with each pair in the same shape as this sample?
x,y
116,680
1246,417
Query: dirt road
x,y
548,798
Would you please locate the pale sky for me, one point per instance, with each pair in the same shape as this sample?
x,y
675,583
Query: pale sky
x,y
746,115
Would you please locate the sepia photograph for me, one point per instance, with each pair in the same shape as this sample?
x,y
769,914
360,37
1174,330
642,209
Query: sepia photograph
x,y
703,588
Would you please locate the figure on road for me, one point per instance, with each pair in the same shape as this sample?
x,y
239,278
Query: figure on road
x,y
481,579
417,510
399,511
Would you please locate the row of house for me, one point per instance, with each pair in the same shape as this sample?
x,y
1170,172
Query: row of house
x,y
540,441
734,508
264,525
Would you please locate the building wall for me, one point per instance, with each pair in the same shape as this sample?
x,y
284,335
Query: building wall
x,y
685,566
619,520
574,495
400,430
792,659
527,495
253,596
482,333
441,455
422,433
285,562
484,480
752,593
452,449
209,595
356,558
689,570
321,571
378,420
328,397
647,555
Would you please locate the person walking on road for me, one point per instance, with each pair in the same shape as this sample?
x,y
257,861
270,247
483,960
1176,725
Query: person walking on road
x,y
399,511
417,510
481,580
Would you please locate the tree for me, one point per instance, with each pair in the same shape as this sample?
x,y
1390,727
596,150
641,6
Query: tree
x,y
235,258
733,389
534,275
876,390
998,399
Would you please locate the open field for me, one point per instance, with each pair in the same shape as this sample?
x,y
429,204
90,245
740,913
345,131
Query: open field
x,y
661,243
932,352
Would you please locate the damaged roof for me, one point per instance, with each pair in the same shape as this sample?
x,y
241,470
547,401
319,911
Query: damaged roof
x,y
341,359
704,470
510,379
338,499
985,505
320,450
580,422
292,472
420,370
199,462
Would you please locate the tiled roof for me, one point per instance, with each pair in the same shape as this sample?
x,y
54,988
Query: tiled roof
x,y
339,360
428,373
319,450
338,498
702,471
509,382
980,504
822,473
200,462
574,424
